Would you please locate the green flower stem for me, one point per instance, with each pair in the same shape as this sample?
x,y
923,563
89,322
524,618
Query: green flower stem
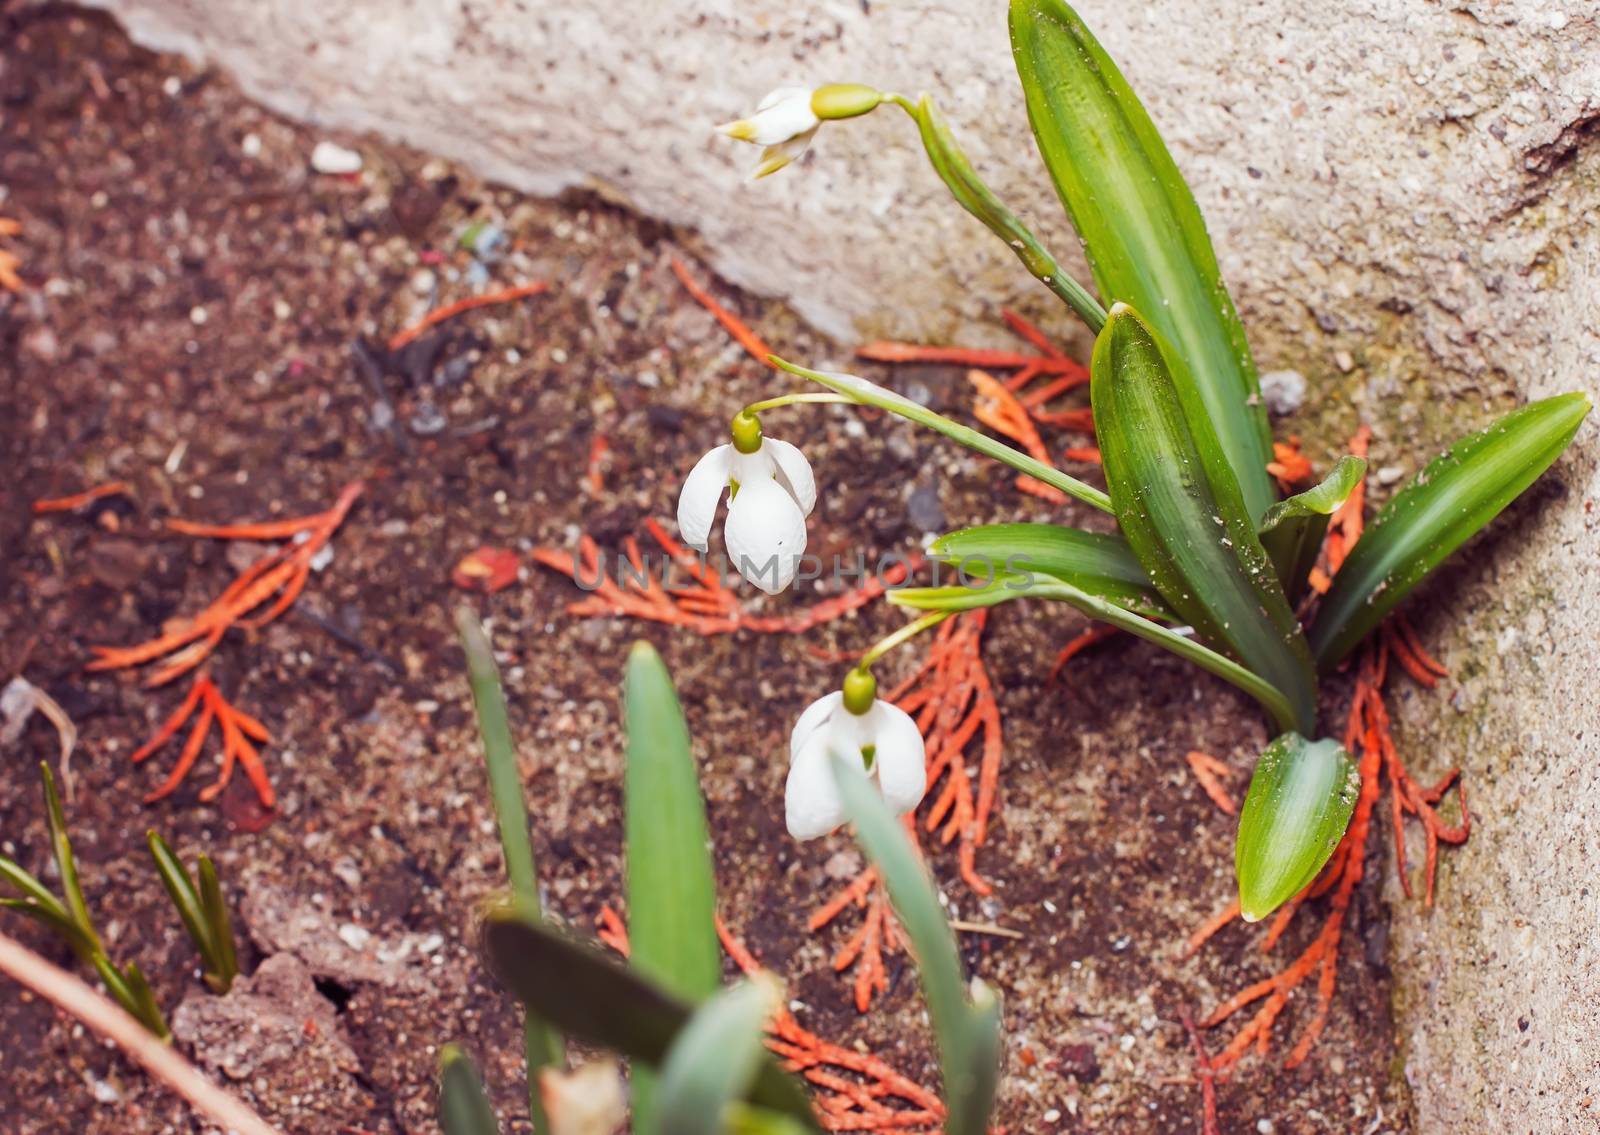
x,y
951,164
904,634
866,393
797,399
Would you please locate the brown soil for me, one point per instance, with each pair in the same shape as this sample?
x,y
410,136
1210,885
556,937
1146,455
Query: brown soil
x,y
193,294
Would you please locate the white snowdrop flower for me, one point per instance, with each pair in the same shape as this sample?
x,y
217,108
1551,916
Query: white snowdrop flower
x,y
772,493
851,722
787,119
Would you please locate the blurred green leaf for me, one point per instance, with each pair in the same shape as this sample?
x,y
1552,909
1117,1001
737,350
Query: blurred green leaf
x,y
1097,563
1142,231
215,908
54,917
464,1109
143,1001
1301,796
31,887
969,598
1456,495
1184,518
968,1036
543,1045
742,1119
671,889
66,864
866,393
1292,530
951,164
715,1057
587,995
180,888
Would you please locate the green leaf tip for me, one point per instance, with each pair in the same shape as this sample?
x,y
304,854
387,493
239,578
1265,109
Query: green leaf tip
x,y
1301,797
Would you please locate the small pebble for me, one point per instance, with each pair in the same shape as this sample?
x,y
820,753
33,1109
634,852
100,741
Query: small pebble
x,y
1284,391
330,157
356,937
1265,1126
172,86
428,420
250,145
281,310
1344,361
923,509
1052,1116
424,281
197,316
1389,474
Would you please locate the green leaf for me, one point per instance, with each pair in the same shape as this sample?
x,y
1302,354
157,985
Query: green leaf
x,y
871,394
464,1109
587,995
968,598
1094,562
742,1119
715,1057
1142,231
54,918
1456,495
1301,796
180,888
1184,519
951,164
968,1035
671,887
144,1001
215,907
65,863
1292,530
543,1046
25,882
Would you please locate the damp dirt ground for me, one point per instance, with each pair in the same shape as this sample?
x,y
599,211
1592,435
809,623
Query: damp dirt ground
x,y
193,298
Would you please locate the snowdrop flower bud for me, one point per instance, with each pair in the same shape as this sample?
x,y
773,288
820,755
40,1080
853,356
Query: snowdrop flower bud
x,y
772,493
787,119
851,721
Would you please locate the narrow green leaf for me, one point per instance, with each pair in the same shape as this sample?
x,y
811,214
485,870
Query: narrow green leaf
x,y
714,1058
968,1037
543,1046
144,1001
742,1119
180,888
1094,562
464,1108
871,394
65,863
1184,518
1292,530
115,983
1142,231
968,598
587,995
671,887
25,882
54,918
1457,494
1301,796
215,907
950,162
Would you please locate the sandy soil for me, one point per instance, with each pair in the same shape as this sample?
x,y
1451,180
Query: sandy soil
x,y
194,291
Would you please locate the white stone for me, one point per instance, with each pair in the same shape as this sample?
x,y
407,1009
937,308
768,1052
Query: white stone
x,y
330,157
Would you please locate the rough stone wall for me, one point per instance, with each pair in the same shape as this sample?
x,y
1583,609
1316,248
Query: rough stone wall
x,y
1404,195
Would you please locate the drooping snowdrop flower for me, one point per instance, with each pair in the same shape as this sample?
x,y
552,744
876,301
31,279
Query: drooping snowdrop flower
x,y
851,722
772,491
787,119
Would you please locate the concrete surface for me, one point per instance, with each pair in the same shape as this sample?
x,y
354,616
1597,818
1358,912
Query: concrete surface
x,y
1404,196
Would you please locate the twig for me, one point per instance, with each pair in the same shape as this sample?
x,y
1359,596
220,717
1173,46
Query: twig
x,y
439,315
76,999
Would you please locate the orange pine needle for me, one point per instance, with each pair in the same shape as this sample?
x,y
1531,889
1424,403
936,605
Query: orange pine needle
x,y
598,448
746,338
78,500
233,723
1078,645
449,311
1210,772
1289,466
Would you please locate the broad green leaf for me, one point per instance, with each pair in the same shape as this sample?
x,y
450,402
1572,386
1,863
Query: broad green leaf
x,y
543,1047
1094,562
871,394
1142,231
464,1109
951,164
587,995
181,889
671,889
1184,519
1292,530
968,598
968,1035
215,908
1456,495
1301,796
65,863
715,1057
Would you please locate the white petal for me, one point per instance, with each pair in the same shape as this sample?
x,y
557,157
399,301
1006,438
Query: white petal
x,y
795,469
702,489
811,803
765,534
783,115
811,720
900,762
780,154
